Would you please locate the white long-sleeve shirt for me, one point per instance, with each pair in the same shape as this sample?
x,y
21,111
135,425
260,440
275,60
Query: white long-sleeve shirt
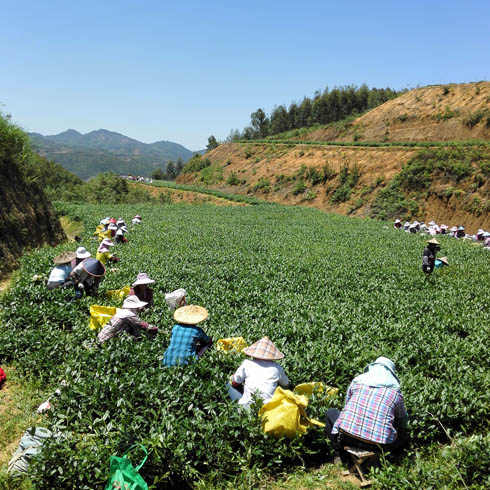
x,y
261,377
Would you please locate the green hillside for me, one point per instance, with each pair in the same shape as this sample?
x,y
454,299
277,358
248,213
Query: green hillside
x,y
332,292
98,151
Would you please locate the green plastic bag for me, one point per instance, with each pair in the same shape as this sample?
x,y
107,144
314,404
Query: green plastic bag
x,y
124,476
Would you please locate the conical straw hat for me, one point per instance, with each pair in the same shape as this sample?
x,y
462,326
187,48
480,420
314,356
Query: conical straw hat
x,y
190,314
433,241
64,258
264,349
444,260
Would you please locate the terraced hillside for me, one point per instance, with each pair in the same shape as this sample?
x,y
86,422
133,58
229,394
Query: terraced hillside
x,y
423,155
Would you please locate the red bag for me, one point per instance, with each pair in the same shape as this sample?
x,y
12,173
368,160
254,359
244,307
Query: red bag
x,y
3,378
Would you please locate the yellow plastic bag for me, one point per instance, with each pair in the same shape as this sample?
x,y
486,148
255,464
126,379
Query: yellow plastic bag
x,y
231,344
100,315
285,414
105,234
307,389
118,293
103,256
98,229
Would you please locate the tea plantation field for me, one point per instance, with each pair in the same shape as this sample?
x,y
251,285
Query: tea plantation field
x,y
332,292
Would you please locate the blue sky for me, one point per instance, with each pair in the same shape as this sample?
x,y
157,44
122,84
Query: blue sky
x,y
181,71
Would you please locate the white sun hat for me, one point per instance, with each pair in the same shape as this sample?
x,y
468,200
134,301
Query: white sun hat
x,y
107,242
112,226
174,298
143,278
83,253
133,302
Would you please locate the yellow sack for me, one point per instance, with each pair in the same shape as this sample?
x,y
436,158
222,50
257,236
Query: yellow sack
x,y
118,293
285,414
103,256
98,229
100,315
105,234
231,344
307,389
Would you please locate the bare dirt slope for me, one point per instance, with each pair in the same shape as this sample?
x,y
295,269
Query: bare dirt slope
x,y
446,183
435,113
271,172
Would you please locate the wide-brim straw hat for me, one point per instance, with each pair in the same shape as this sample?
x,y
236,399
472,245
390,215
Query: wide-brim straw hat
x,y
190,314
444,260
93,267
143,278
433,241
264,349
133,302
64,258
83,253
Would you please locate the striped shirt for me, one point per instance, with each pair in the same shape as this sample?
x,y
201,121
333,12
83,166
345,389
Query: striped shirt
x,y
184,344
370,413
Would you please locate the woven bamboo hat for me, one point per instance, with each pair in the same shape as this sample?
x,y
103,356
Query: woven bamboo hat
x,y
190,314
64,258
444,260
264,349
433,241
93,267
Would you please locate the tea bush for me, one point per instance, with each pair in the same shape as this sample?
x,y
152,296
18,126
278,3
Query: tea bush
x,y
332,292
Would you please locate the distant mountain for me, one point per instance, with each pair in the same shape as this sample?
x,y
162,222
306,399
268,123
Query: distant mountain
x,y
98,151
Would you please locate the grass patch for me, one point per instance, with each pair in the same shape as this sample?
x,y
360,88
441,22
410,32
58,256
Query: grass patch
x,y
19,399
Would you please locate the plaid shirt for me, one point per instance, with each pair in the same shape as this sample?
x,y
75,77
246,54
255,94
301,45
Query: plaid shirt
x,y
183,344
370,413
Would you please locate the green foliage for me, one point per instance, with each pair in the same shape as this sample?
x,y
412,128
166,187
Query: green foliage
x,y
212,174
263,185
158,174
196,164
474,118
109,188
327,173
463,464
452,165
391,202
299,187
212,143
233,179
310,195
313,175
365,298
446,115
341,194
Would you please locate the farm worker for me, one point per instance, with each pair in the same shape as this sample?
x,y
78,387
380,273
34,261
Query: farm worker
x,y
259,375
87,276
460,233
413,228
429,255
423,227
126,319
82,254
120,236
479,235
136,220
120,223
374,413
103,253
60,274
112,228
486,240
406,226
188,341
453,231
141,288
443,229
441,262
176,299
397,225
